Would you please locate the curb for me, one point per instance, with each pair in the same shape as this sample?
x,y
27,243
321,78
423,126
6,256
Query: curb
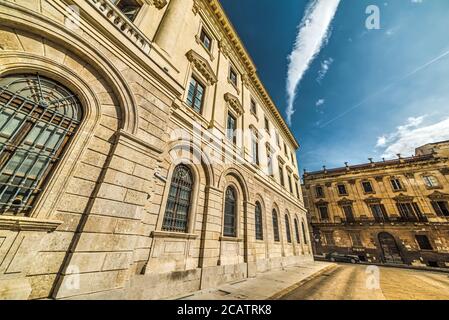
x,y
286,291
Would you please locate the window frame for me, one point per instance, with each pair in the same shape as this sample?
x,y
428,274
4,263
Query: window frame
x,y
259,222
226,226
136,14
364,183
288,232
233,71
345,189
276,230
199,83
204,34
232,138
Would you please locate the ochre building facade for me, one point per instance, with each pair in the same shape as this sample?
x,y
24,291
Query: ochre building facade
x,y
393,212
141,156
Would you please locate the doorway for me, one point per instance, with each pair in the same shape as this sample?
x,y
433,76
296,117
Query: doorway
x,y
390,249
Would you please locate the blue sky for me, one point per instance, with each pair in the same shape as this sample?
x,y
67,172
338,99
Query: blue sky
x,y
366,93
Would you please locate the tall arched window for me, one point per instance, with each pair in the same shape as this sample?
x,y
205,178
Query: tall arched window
x,y
38,118
277,238
298,238
287,229
230,214
259,225
304,232
179,199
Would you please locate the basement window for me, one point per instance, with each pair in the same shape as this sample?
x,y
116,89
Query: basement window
x,y
424,242
130,8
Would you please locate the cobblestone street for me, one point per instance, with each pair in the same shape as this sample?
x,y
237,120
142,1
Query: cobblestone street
x,y
356,282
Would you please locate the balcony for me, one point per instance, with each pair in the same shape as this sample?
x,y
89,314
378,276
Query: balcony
x,y
122,24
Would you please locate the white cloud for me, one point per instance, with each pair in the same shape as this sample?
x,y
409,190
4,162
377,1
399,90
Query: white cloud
x,y
320,102
312,34
411,135
325,65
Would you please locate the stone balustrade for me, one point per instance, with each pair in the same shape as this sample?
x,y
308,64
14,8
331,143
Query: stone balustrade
x,y
122,23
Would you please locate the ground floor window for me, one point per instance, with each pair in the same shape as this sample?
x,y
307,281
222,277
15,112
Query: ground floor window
x,y
424,242
329,238
356,239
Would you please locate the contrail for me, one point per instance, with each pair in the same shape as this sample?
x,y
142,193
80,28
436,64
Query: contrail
x,y
313,32
408,75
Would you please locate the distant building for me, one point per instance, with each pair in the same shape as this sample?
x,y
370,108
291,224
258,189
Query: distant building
x,y
393,211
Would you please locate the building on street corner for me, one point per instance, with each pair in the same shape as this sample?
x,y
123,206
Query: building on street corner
x,y
140,154
393,212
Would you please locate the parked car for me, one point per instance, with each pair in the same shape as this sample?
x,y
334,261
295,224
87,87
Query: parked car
x,y
339,257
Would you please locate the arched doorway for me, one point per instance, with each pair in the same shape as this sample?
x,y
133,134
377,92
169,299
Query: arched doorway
x,y
390,249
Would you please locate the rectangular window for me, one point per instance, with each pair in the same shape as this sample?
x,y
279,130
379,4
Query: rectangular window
x,y
231,129
278,140
130,8
267,124
319,192
285,150
409,211
441,208
356,240
367,187
349,214
233,76
396,184
290,185
253,107
269,161
281,176
379,213
423,242
206,40
255,149
431,181
342,190
324,214
195,95
297,190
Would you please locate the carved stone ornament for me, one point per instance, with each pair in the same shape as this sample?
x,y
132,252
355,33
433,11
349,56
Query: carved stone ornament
x,y
234,103
345,201
202,66
159,3
403,198
439,196
372,200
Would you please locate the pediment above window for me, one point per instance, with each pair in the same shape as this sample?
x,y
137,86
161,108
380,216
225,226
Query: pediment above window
x,y
321,203
202,66
345,201
372,200
403,198
438,196
234,103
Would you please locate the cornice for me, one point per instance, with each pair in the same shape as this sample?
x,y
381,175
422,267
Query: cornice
x,y
236,44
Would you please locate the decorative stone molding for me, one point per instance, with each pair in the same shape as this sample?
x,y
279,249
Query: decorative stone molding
x,y
345,201
28,224
372,200
439,196
234,103
321,203
403,198
160,4
445,171
176,235
410,175
111,13
328,184
202,66
379,178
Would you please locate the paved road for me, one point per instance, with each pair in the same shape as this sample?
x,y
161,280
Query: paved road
x,y
358,282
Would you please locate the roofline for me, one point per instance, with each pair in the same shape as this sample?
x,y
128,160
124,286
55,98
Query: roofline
x,y
239,48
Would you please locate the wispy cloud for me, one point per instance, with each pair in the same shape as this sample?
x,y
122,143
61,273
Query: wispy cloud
x,y
411,135
313,32
320,102
325,65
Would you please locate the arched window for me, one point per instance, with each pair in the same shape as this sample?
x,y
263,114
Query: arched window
x,y
38,118
287,229
304,232
277,238
179,199
259,225
230,214
298,238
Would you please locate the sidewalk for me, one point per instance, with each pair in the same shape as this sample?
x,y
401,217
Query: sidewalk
x,y
270,285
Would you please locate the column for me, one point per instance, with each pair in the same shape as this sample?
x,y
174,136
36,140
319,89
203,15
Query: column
x,y
171,25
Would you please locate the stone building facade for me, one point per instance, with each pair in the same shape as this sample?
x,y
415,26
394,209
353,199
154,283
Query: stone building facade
x,y
393,211
141,156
